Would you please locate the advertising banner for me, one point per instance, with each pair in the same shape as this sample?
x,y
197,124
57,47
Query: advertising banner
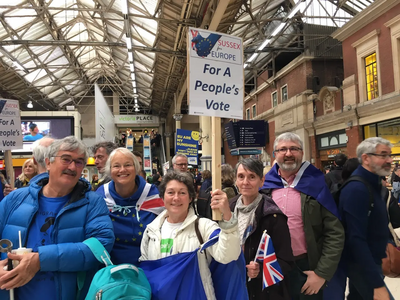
x,y
187,142
215,74
10,125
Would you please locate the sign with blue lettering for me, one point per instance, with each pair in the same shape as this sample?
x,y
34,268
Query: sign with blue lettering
x,y
10,125
246,134
187,142
215,70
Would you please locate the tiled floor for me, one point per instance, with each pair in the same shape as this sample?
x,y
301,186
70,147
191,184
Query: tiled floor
x,y
394,286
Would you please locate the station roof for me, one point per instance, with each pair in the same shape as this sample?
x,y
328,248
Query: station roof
x,y
52,52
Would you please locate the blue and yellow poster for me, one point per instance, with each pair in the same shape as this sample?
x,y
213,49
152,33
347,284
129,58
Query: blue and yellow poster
x,y
187,142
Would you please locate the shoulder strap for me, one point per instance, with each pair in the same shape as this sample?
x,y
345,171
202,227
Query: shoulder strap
x,y
370,192
198,234
199,237
98,251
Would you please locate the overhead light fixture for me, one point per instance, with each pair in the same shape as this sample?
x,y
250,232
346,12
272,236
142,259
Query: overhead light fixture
x,y
253,57
134,84
295,9
29,105
134,91
278,29
136,109
128,43
65,102
133,76
132,67
265,43
130,56
136,105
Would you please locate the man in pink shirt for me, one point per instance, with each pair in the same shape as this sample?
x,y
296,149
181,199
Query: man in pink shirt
x,y
317,235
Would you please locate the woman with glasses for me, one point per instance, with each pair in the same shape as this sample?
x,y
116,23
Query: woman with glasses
x,y
132,202
257,213
29,170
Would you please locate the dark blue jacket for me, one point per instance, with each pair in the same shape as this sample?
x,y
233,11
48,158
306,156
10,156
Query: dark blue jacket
x,y
366,236
84,216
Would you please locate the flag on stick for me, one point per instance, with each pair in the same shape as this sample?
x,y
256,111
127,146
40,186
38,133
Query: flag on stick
x,y
272,272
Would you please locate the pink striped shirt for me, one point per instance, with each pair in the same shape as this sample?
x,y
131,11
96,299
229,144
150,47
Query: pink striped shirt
x,y
289,201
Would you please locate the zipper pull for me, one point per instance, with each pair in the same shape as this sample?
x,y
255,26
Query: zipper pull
x,y
99,295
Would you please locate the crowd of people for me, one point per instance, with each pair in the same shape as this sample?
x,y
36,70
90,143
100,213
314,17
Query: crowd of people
x,y
323,229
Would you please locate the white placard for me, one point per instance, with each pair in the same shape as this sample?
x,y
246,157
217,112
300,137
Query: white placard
x,y
215,71
10,125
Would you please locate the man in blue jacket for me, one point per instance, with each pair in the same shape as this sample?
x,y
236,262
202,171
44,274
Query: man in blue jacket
x,y
55,214
366,227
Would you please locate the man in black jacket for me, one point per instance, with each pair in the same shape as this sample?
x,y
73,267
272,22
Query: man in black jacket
x,y
335,176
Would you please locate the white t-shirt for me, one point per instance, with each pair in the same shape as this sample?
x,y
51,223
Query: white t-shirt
x,y
168,231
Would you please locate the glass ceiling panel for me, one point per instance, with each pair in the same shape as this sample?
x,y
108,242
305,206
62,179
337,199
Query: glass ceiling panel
x,y
19,17
35,75
146,36
149,5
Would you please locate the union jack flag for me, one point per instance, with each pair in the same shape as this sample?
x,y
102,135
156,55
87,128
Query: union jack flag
x,y
272,272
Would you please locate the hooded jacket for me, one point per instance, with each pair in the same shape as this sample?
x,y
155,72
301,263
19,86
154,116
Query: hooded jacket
x,y
268,217
129,218
85,215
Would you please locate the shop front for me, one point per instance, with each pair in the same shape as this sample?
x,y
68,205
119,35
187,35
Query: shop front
x,y
389,130
331,144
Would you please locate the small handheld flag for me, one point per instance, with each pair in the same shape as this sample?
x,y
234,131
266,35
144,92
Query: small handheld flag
x,y
272,272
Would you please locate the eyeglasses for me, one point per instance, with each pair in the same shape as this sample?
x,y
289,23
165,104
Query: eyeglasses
x,y
383,156
291,149
181,165
67,160
126,166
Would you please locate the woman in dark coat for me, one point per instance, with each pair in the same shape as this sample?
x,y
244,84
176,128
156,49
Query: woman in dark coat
x,y
255,213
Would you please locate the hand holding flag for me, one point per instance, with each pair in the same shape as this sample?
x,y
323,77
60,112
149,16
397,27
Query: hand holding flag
x,y
272,272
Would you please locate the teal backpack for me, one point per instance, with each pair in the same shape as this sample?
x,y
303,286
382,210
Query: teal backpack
x,y
113,282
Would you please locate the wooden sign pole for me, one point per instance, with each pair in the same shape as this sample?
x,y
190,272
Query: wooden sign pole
x,y
9,167
216,160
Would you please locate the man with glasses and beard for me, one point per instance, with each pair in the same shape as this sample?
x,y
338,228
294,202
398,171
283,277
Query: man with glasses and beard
x,y
55,214
366,227
317,236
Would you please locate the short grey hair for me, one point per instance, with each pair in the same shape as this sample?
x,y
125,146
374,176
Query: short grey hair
x,y
178,155
108,146
126,152
369,146
288,136
39,151
252,165
69,143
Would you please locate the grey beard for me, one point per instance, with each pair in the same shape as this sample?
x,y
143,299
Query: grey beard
x,y
380,171
287,167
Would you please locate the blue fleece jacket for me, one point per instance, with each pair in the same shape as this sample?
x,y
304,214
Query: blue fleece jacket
x,y
85,215
366,236
129,224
